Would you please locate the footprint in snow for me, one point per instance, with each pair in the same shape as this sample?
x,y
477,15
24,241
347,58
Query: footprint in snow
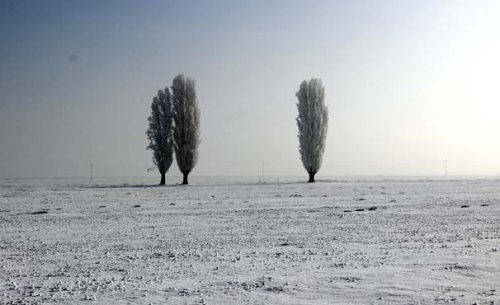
x,y
40,212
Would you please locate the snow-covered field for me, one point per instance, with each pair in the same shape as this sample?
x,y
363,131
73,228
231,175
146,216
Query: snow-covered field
x,y
241,241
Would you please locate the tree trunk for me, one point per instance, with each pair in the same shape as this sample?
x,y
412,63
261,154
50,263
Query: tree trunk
x,y
162,181
311,177
184,178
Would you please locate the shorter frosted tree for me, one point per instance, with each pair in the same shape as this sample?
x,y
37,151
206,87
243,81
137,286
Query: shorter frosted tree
x,y
313,124
186,124
160,132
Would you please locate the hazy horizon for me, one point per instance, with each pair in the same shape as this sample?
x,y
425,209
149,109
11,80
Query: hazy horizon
x,y
176,178
409,85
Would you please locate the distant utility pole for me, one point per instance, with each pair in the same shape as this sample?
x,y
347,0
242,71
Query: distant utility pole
x,y
262,170
91,171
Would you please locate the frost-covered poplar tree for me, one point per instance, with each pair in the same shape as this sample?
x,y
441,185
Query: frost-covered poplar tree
x,y
313,124
186,124
160,132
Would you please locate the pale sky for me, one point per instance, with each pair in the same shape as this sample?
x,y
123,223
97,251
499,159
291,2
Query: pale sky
x,y
409,84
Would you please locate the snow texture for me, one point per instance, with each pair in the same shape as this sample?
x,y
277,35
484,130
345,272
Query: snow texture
x,y
312,122
242,242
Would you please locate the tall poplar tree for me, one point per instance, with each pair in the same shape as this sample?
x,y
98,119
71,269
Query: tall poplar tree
x,y
186,124
312,122
160,132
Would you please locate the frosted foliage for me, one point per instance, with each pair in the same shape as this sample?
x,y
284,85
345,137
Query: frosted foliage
x,y
160,131
312,122
186,122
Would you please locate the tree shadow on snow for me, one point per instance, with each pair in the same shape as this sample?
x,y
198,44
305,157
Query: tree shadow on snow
x,y
215,184
125,185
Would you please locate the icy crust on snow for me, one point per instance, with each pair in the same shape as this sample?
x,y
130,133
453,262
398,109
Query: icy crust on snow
x,y
242,242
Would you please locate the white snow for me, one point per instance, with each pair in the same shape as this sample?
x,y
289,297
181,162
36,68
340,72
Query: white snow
x,y
240,241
